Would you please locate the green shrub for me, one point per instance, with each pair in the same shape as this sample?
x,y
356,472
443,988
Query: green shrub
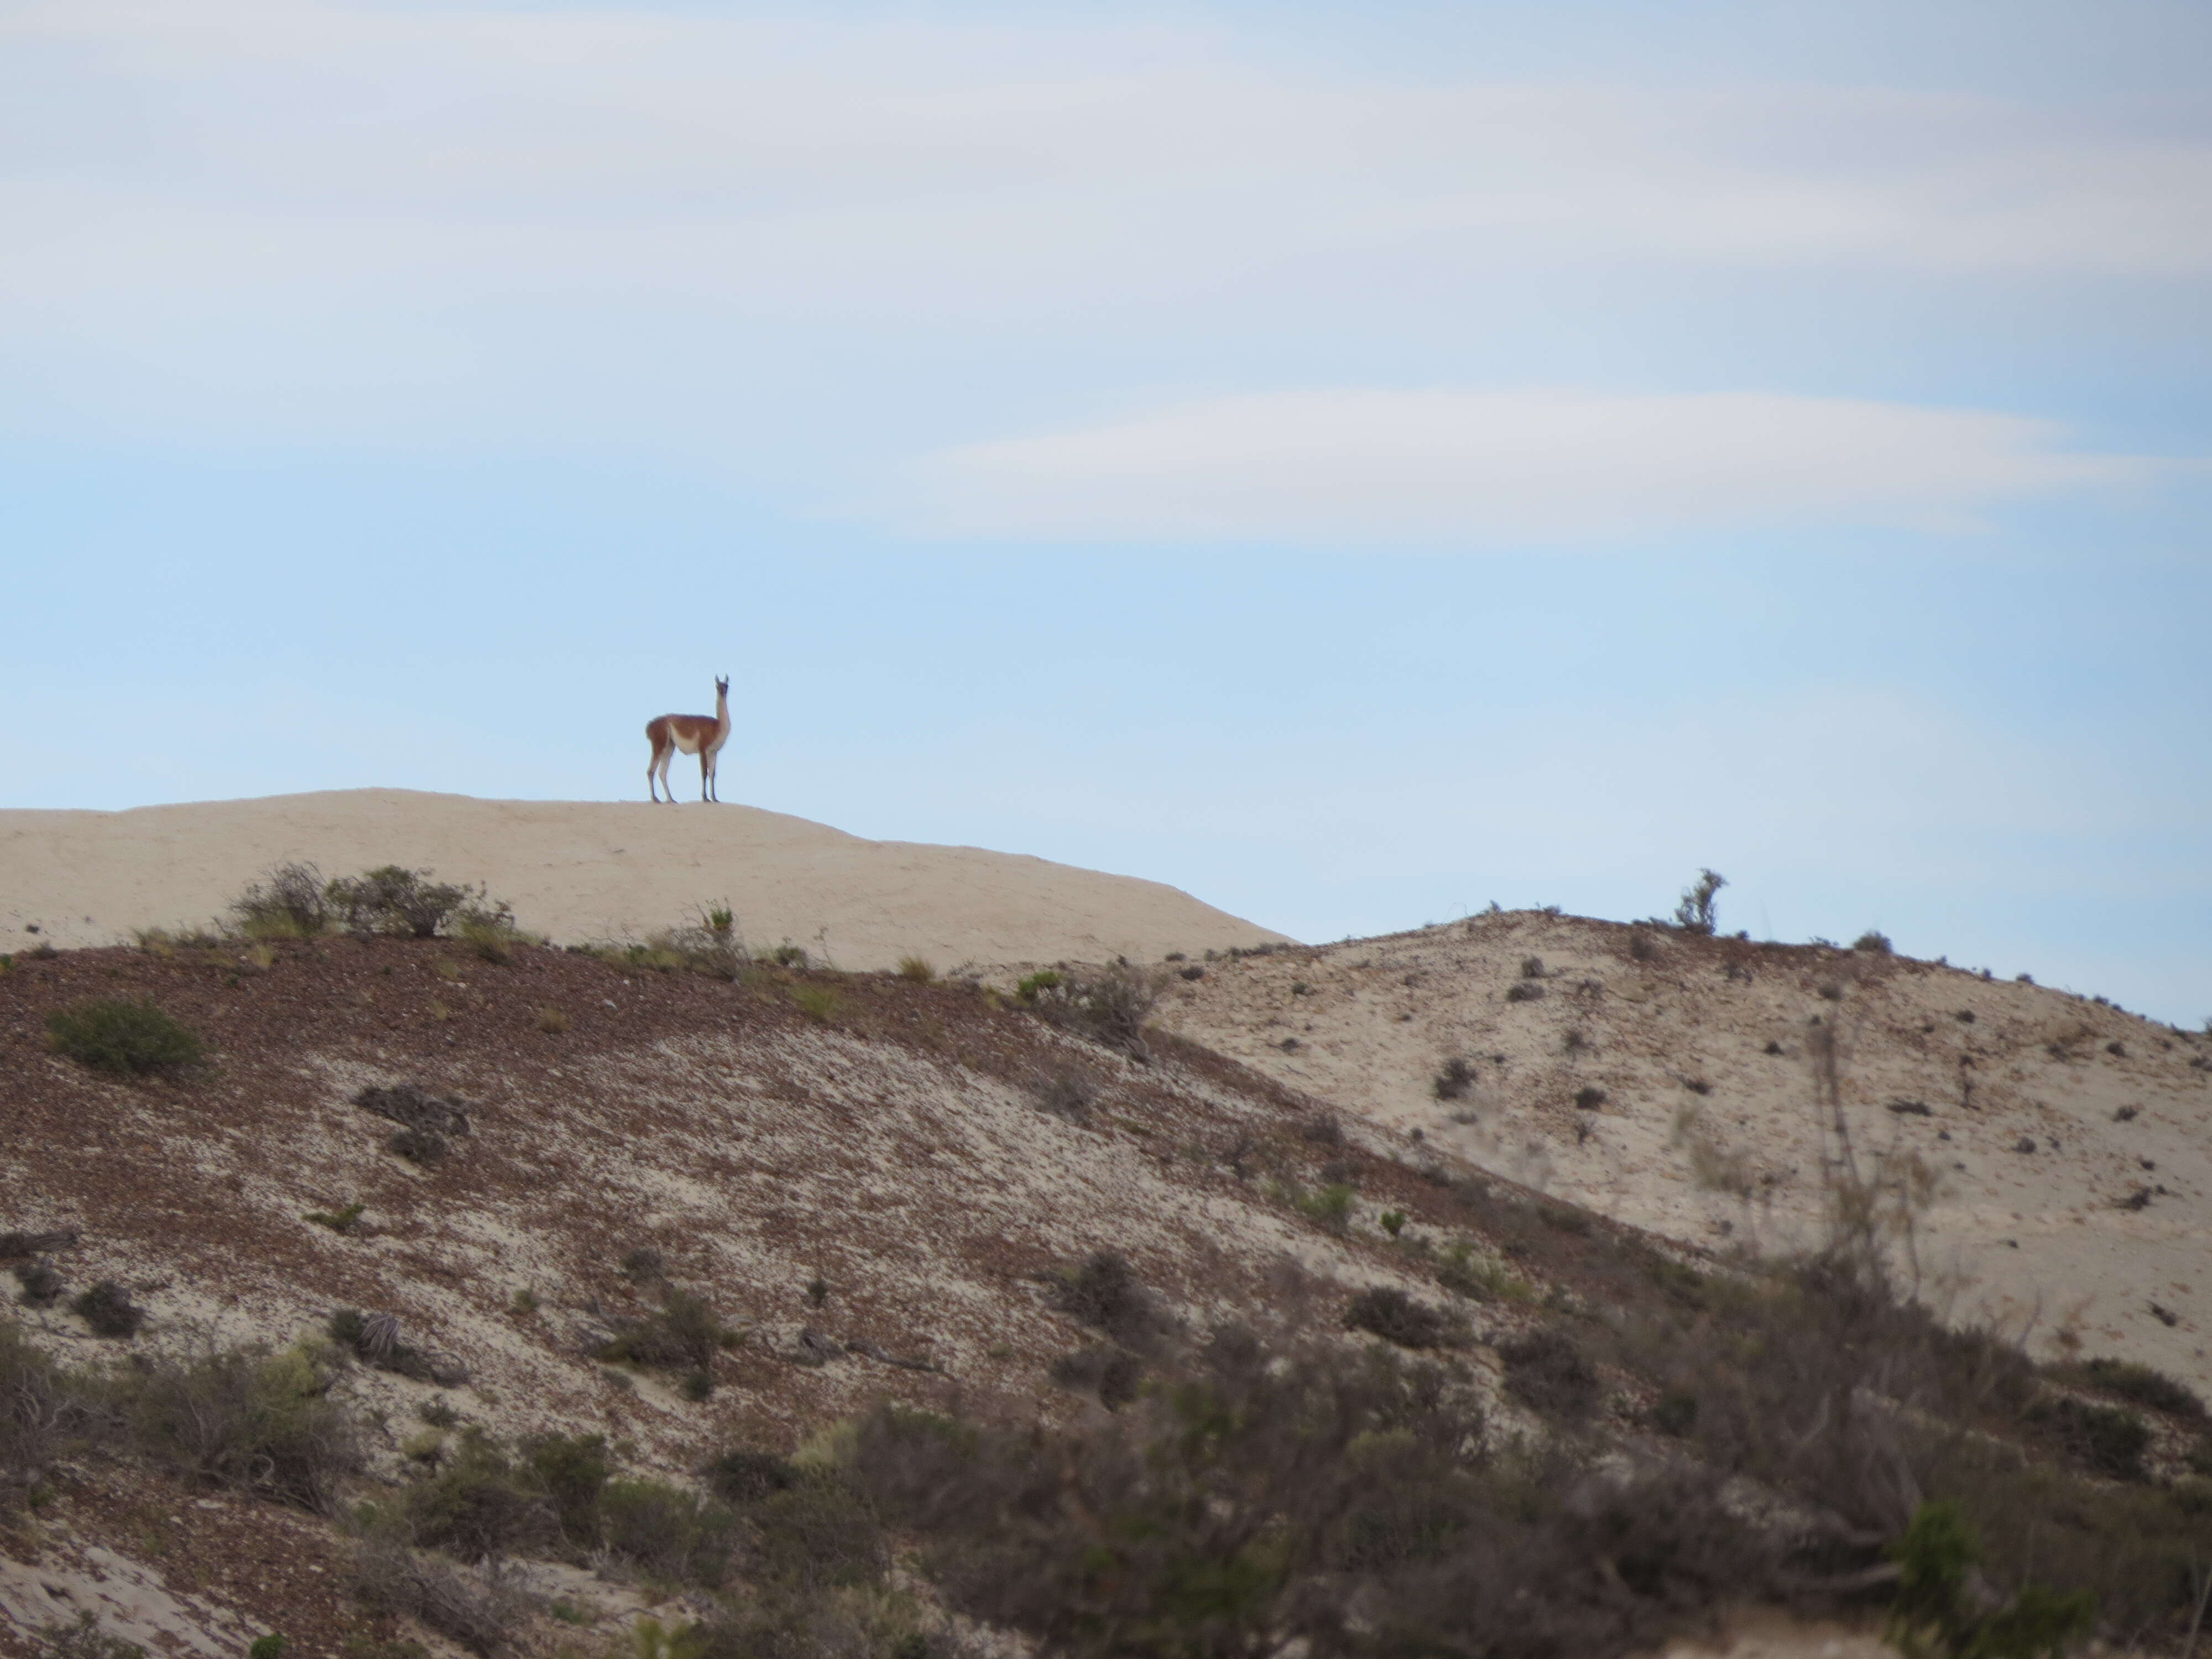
x,y
819,1003
821,1532
339,1220
2108,1439
270,1646
573,1472
917,968
480,1503
1935,1614
1109,1006
746,1476
2143,1385
1694,914
131,1039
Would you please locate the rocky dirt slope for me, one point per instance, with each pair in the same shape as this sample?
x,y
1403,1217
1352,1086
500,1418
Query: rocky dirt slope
x,y
1664,1078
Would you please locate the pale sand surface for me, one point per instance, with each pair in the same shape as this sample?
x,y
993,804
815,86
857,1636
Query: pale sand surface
x,y
2042,1240
577,871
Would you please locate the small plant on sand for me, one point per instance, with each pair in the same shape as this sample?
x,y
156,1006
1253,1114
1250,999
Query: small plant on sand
x,y
916,968
1109,1006
1454,1080
41,1284
339,1220
129,1039
551,1021
1874,942
1694,914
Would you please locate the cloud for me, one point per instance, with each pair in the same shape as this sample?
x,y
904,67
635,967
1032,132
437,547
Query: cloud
x,y
1364,465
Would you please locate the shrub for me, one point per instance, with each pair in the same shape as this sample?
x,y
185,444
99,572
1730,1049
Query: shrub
x,y
406,903
1454,1081
1112,1374
820,1532
1874,942
1069,1092
1330,1204
82,1640
1694,914
374,1337
270,1646
481,1611
130,1039
413,1107
1478,1278
1322,1129
340,1220
416,1146
1386,1311
551,1021
1525,990
744,1476
40,1282
1589,1098
818,1003
1532,967
667,1532
481,1504
108,1308
2144,1385
2106,1438
1548,1373
644,1264
916,968
682,1336
1936,1611
1109,1006
1106,1294
291,902
246,1419
1641,946
44,1412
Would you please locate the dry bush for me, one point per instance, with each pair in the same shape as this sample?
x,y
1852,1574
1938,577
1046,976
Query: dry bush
x,y
291,902
483,1611
1109,1006
1547,1371
1308,1499
1068,1092
1112,1374
246,1419
40,1283
413,1107
1695,914
550,1020
408,904
108,1308
1106,1294
44,1413
374,1337
1454,1080
682,1335
1386,1311
916,968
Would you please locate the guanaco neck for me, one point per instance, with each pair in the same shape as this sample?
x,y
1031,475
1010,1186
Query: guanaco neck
x,y
722,714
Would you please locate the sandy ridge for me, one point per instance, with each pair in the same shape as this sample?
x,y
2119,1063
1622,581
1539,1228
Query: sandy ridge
x,y
590,870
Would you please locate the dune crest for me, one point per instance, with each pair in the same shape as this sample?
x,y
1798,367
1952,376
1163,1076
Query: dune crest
x,y
590,870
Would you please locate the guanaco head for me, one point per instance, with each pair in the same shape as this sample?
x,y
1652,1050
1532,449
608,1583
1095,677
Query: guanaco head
x,y
721,686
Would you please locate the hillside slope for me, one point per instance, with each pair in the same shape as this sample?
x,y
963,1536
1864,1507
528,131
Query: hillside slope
x,y
593,870
2072,1141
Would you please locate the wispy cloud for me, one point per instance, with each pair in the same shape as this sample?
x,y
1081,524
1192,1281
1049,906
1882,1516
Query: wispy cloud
x,y
1364,465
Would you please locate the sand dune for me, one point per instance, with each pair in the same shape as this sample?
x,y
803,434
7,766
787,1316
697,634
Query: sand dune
x,y
589,870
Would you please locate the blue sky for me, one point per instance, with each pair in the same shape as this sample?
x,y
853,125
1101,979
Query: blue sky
x,y
1353,463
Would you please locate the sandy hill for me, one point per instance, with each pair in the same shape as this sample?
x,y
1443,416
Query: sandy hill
x,y
593,869
1664,1078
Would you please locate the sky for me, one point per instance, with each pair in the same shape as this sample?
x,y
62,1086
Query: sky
x,y
1357,464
